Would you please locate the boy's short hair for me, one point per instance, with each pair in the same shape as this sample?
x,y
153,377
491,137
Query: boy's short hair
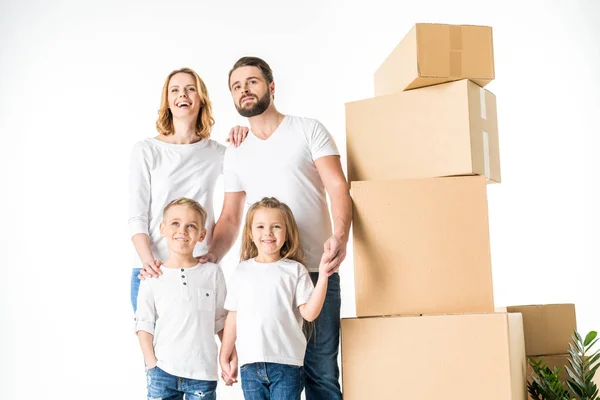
x,y
193,204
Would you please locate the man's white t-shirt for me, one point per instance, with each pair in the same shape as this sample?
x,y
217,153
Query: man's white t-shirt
x,y
266,297
283,166
186,304
161,172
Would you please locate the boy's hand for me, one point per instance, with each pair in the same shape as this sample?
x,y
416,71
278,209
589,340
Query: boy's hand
x,y
151,270
152,363
325,267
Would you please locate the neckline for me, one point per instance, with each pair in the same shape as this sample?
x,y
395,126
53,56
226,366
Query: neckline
x,y
199,144
283,121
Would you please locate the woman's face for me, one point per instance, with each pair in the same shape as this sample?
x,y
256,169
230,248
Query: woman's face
x,y
184,100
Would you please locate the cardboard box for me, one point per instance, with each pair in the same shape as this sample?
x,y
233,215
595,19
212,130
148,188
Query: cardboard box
x,y
445,130
548,327
436,53
421,246
467,357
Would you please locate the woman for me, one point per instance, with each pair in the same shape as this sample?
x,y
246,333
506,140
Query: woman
x,y
180,162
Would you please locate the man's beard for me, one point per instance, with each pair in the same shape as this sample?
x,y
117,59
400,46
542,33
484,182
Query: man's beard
x,y
258,108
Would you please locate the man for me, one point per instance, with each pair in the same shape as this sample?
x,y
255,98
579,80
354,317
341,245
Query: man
x,y
295,160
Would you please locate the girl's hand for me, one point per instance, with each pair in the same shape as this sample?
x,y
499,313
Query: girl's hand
x,y
325,265
237,135
228,368
151,270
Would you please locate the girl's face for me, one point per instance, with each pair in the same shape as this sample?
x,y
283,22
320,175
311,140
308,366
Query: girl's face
x,y
268,233
184,100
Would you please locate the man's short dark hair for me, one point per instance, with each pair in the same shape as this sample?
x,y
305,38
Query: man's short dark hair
x,y
261,64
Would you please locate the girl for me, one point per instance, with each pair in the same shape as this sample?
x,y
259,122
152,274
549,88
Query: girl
x,y
182,161
269,296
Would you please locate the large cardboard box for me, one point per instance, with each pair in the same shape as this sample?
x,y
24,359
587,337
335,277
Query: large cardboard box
x,y
548,327
435,53
444,130
466,357
421,246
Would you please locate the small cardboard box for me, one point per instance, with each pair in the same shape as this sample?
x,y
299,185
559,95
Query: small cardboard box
x,y
444,130
548,327
436,53
421,246
466,357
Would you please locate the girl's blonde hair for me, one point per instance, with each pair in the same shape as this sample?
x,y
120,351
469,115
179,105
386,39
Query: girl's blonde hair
x,y
204,122
291,248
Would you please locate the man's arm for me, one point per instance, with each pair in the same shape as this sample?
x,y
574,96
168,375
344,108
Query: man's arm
x,y
330,170
227,227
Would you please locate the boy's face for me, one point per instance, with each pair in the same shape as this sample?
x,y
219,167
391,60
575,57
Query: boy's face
x,y
182,227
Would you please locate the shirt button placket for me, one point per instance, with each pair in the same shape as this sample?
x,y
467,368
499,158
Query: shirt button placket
x,y
185,290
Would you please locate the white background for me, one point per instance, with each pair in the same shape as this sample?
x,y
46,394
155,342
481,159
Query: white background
x,y
80,82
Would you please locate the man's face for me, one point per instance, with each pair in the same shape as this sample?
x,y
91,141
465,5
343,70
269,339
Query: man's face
x,y
250,92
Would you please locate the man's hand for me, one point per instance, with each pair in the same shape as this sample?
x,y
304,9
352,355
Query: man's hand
x,y
151,270
208,257
335,253
237,135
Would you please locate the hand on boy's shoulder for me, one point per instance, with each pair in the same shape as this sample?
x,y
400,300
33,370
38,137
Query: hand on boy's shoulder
x,y
207,258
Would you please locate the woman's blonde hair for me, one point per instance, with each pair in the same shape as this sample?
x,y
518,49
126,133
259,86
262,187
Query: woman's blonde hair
x,y
291,248
204,122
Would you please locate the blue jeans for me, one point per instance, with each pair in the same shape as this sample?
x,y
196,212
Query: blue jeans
x,y
164,386
321,359
135,287
264,381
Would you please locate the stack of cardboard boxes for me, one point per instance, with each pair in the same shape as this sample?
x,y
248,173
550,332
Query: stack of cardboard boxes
x,y
419,156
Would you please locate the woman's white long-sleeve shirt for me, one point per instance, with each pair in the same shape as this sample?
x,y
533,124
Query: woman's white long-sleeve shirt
x,y
161,172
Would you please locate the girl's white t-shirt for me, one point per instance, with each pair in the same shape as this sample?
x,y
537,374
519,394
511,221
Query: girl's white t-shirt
x,y
266,297
161,172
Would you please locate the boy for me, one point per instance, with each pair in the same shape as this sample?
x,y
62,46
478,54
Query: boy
x,y
179,313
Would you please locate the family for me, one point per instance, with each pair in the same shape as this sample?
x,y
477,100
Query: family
x,y
278,317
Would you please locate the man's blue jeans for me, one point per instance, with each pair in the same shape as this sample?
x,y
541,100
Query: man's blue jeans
x,y
164,386
321,368
264,381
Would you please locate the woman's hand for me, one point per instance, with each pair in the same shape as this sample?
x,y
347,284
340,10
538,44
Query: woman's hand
x,y
150,270
237,135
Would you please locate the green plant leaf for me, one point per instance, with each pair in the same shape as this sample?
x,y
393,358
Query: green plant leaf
x,y
589,337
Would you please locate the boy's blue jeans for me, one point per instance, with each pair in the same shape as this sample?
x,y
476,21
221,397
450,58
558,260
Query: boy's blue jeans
x,y
164,386
321,359
264,381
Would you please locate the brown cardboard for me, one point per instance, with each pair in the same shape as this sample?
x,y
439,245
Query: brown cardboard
x,y
436,53
421,246
548,327
467,357
444,130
